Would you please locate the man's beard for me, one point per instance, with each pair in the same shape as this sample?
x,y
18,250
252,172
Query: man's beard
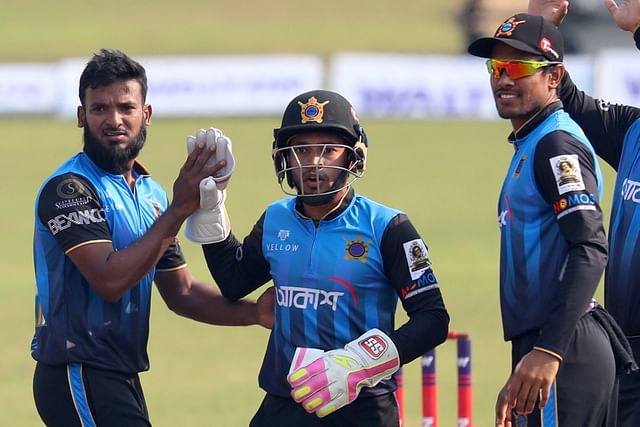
x,y
113,159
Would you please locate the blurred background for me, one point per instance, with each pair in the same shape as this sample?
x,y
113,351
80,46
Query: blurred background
x,y
437,152
587,29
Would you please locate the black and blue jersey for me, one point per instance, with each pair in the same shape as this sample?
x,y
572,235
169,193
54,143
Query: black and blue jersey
x,y
553,246
614,131
335,279
81,204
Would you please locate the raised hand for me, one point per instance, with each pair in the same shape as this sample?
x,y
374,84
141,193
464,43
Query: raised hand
x,y
215,137
551,10
627,15
210,223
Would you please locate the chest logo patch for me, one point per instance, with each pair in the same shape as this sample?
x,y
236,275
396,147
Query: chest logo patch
x,y
357,249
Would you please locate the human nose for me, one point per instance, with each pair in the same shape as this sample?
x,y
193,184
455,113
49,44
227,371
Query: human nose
x,y
114,118
318,157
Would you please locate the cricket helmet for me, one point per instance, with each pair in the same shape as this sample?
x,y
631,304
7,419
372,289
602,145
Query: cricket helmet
x,y
319,111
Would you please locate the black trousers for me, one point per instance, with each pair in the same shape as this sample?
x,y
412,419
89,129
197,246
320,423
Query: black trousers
x,y
629,395
585,387
378,411
76,395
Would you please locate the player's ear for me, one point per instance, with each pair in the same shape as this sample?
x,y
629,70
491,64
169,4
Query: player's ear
x,y
555,75
81,116
147,111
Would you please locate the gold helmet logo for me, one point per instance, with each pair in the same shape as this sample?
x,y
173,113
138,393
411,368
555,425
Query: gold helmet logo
x,y
312,110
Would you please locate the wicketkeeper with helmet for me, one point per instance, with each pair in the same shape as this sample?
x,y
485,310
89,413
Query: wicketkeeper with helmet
x,y
339,262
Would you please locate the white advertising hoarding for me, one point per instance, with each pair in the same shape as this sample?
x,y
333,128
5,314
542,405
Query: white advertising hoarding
x,y
27,88
417,86
233,85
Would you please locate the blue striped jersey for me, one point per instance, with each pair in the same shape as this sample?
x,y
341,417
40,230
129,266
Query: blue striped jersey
x,y
81,204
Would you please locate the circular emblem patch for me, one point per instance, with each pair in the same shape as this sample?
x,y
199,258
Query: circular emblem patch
x,y
70,188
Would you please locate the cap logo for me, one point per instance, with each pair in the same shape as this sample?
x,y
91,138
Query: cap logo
x,y
506,30
545,46
312,110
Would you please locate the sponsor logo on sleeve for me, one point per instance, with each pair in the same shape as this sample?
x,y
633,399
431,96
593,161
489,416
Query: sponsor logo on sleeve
x,y
88,216
417,257
566,169
73,194
573,203
70,188
425,283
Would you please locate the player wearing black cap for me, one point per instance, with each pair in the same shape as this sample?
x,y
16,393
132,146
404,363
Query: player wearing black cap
x,y
339,262
553,245
614,130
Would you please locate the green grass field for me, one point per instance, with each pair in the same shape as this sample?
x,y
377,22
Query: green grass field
x,y
444,174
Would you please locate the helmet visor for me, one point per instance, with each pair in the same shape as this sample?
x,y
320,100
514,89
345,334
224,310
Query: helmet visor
x,y
317,169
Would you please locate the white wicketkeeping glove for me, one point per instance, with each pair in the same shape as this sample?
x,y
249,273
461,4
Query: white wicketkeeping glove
x,y
326,381
210,223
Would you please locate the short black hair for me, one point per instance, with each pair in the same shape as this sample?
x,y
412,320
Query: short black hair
x,y
109,66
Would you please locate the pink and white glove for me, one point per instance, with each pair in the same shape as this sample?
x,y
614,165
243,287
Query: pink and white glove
x,y
324,382
210,223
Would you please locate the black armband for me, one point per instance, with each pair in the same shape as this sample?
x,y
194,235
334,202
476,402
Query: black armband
x,y
636,37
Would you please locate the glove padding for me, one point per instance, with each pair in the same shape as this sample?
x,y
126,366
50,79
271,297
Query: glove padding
x,y
334,379
210,223
210,137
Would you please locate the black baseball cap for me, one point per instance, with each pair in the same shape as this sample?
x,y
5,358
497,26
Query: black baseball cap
x,y
524,32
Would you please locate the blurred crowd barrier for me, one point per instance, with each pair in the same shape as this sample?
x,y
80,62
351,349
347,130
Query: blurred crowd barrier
x,y
380,85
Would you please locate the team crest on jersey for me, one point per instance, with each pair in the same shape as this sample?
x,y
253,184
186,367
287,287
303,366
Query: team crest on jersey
x,y
417,257
357,249
521,421
566,169
312,110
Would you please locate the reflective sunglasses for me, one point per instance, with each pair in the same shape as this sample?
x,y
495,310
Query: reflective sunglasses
x,y
516,69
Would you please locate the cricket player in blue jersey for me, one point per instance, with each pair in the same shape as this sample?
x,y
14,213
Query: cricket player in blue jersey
x,y
614,131
340,262
104,231
553,245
